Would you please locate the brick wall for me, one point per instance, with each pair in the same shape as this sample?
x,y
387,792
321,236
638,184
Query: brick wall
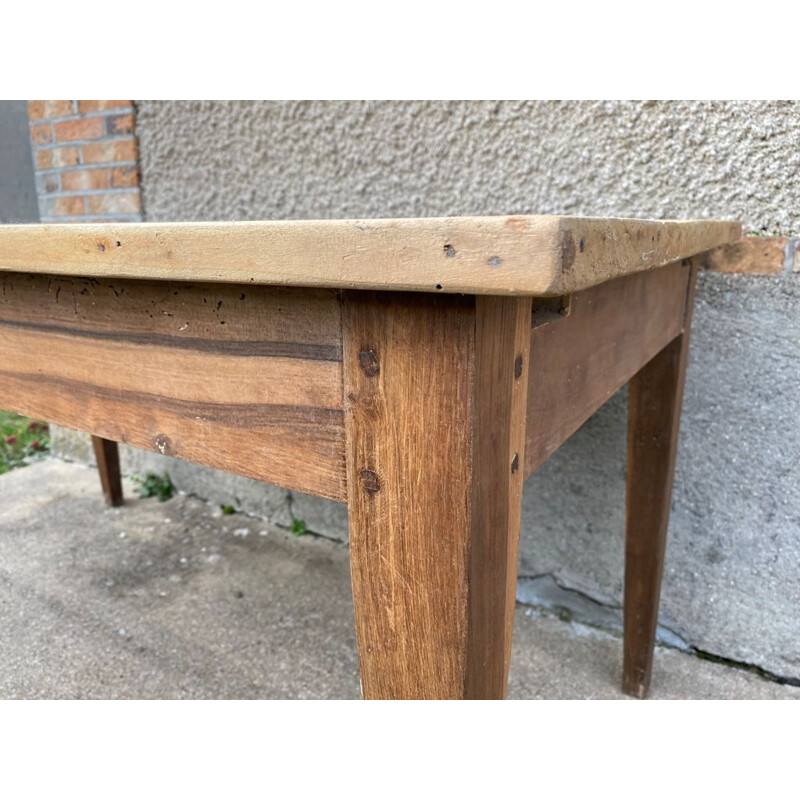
x,y
86,159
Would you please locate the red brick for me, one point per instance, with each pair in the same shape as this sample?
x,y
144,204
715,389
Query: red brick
x,y
104,152
65,157
119,125
42,134
114,203
68,206
44,159
102,105
123,177
88,128
754,255
47,109
84,179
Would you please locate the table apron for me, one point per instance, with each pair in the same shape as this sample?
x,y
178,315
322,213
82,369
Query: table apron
x,y
580,359
246,379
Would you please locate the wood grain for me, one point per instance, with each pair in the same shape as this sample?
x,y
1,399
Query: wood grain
x,y
106,454
435,403
295,323
605,249
753,255
245,379
580,360
529,255
654,410
502,355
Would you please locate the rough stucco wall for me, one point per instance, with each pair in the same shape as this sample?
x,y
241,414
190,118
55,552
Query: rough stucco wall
x,y
731,585
210,160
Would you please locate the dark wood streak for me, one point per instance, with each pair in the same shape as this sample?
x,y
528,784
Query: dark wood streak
x,y
244,379
245,349
254,416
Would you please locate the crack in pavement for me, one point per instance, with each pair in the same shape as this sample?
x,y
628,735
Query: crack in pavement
x,y
544,590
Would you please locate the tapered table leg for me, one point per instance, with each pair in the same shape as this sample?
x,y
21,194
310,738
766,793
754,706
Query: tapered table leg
x,y
654,409
107,456
435,398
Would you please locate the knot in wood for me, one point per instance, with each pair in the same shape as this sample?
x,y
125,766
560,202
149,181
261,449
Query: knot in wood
x,y
369,481
368,361
518,366
515,463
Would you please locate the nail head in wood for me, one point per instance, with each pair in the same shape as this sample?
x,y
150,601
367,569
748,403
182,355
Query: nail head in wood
x,y
368,361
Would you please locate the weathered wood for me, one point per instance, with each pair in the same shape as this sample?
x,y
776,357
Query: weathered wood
x,y
435,402
243,378
106,454
580,360
502,356
754,255
290,323
654,410
532,255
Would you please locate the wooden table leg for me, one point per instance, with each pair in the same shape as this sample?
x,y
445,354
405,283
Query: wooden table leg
x,y
435,398
654,409
107,457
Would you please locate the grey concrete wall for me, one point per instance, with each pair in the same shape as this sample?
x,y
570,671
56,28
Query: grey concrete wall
x,y
732,584
17,189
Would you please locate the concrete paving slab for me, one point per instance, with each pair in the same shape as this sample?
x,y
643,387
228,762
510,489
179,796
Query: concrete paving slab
x,y
177,600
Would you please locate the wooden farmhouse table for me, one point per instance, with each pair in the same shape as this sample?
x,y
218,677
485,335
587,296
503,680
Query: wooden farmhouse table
x,y
416,369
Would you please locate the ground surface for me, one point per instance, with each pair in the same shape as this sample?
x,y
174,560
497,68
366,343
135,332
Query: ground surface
x,y
176,600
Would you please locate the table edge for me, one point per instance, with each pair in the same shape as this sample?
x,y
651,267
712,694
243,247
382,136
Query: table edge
x,y
501,255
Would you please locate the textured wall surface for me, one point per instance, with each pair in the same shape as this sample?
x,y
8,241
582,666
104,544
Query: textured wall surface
x,y
732,584
209,160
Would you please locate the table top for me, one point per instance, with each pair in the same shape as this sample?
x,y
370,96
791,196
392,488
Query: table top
x,y
527,255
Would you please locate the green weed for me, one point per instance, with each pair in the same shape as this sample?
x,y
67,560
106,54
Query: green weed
x,y
21,440
153,485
